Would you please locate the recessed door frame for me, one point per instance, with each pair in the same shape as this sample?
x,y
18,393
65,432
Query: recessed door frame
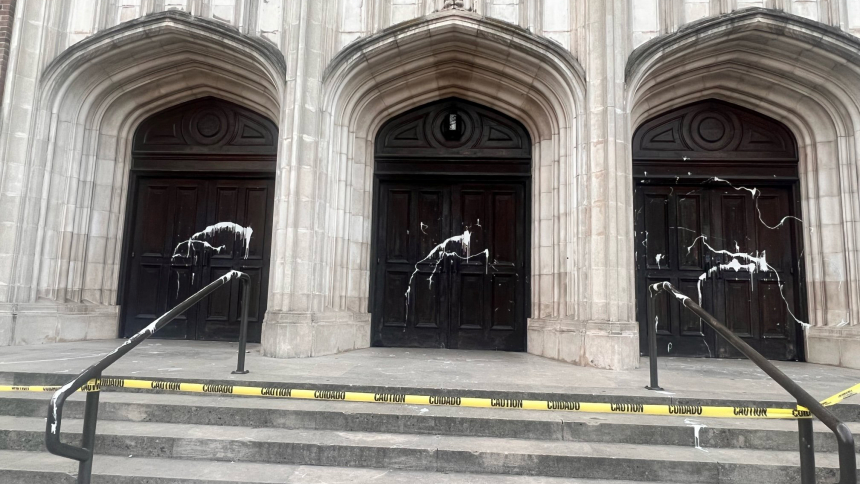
x,y
793,186
447,166
244,146
690,161
134,178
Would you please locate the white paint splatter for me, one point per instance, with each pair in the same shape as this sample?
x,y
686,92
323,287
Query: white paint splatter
x,y
754,263
424,226
697,428
658,259
440,252
756,193
238,231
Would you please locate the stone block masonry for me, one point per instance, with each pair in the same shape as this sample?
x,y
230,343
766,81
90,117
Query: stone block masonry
x,y
7,15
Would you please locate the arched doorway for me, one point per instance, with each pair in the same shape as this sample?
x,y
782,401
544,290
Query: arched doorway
x,y
195,165
451,229
717,214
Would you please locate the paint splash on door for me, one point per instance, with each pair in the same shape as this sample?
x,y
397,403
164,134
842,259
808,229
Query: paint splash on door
x,y
244,233
756,193
440,253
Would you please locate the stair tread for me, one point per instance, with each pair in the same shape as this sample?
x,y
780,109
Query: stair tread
x,y
429,411
217,471
424,443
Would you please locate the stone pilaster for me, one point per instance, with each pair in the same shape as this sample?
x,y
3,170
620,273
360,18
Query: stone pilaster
x,y
600,330
301,279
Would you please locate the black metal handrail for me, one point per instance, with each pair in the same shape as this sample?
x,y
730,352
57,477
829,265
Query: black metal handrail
x,y
844,438
84,453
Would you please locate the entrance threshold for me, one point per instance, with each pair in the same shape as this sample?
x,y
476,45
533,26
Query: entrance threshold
x,y
420,371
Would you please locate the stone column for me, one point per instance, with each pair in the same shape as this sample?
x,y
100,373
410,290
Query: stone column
x,y
606,196
598,328
298,322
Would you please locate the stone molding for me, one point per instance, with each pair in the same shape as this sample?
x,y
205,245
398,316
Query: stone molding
x,y
601,344
776,21
302,335
150,26
839,346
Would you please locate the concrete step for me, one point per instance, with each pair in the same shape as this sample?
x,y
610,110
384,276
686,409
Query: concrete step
x,y
848,411
412,419
42,468
427,453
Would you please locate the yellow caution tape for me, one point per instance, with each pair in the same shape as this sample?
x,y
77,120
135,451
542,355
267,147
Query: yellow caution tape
x,y
446,400
24,388
829,401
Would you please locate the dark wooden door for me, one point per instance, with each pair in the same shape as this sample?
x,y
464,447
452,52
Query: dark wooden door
x,y
669,219
698,237
429,293
759,305
167,211
163,271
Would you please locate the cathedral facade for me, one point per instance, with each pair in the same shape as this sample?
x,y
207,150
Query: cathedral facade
x,y
469,174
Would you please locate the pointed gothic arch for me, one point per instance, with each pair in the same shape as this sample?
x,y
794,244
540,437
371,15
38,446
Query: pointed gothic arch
x,y
803,74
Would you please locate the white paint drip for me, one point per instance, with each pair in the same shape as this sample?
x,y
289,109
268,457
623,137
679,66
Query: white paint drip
x,y
441,252
697,428
754,263
238,231
658,259
756,193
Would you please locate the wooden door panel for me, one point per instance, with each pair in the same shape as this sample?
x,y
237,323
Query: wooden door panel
x,y
690,208
248,203
414,221
166,212
397,224
669,219
690,324
504,302
472,302
225,208
504,236
488,305
395,304
153,211
656,242
255,215
775,321
468,304
756,306
738,307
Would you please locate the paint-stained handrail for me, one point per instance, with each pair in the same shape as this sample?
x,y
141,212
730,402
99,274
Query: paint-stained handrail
x,y
844,438
84,453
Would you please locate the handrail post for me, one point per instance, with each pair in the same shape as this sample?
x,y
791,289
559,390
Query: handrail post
x,y
652,357
243,328
88,435
807,451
